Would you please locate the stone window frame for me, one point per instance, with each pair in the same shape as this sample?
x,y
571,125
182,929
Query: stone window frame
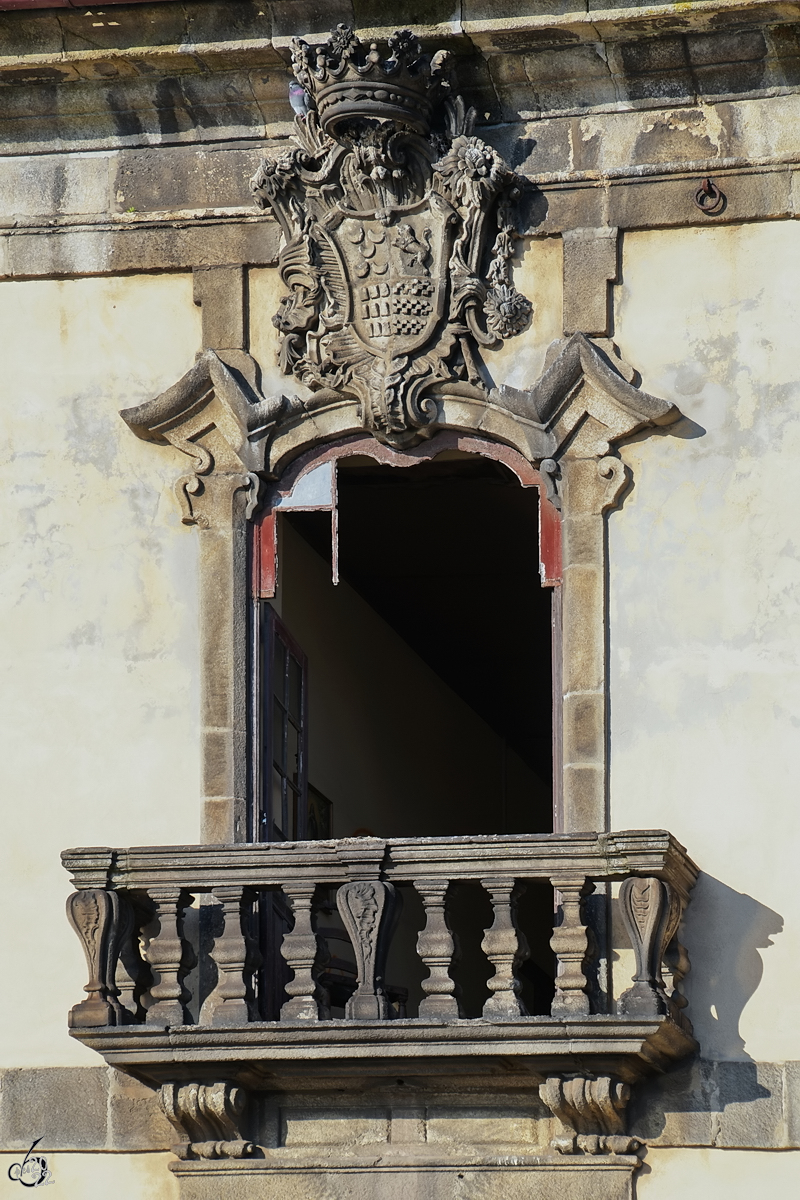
x,y
565,427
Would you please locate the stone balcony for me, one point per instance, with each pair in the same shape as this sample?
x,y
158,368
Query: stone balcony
x,y
179,1001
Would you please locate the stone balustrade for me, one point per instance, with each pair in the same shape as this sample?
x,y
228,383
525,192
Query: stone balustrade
x,y
131,905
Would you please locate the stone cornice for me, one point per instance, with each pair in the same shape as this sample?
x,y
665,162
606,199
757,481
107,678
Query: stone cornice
x,y
260,46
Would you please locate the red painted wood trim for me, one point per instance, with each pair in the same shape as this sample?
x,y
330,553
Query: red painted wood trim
x,y
264,557
549,541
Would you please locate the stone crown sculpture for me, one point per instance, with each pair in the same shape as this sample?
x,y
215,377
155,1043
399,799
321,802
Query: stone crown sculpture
x,y
347,80
386,203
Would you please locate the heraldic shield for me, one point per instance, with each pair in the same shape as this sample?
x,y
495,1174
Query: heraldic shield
x,y
398,266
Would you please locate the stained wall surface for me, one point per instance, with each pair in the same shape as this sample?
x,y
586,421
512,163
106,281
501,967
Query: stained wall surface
x,y
99,633
705,629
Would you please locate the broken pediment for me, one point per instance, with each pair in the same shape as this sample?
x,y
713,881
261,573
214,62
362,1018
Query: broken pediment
x,y
580,406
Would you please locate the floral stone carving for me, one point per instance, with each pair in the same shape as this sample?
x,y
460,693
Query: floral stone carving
x,y
399,231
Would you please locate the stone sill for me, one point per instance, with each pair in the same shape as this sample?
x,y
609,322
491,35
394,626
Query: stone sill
x,y
624,1047
388,1158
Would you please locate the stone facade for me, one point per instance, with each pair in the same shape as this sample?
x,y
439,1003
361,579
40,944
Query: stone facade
x,y
563,242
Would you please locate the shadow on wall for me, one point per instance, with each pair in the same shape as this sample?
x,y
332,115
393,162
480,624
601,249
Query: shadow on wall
x,y
724,932
721,1097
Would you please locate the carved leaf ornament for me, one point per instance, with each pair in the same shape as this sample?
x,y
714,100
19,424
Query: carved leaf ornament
x,y
387,204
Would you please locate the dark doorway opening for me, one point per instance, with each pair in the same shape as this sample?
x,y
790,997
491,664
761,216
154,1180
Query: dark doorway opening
x,y
439,592
446,553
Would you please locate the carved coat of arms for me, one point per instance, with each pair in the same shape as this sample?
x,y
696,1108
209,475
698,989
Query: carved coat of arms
x,y
398,232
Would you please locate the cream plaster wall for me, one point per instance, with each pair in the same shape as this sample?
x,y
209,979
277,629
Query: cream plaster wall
x,y
719,1175
537,273
705,614
98,633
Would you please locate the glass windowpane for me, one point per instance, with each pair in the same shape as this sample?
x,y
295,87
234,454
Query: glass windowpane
x,y
295,687
277,800
278,722
292,752
279,669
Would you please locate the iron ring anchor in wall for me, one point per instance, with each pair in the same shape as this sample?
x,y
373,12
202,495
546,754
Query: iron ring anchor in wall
x,y
709,198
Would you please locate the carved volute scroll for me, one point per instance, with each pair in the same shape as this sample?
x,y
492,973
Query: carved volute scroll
x,y
369,909
93,913
591,1113
208,1118
651,911
388,203
506,948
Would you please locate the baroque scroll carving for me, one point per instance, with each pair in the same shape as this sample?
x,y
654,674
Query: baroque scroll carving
x,y
591,1112
651,910
369,909
93,914
216,418
208,1116
388,204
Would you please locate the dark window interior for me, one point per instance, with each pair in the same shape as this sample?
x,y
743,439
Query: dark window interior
x,y
447,553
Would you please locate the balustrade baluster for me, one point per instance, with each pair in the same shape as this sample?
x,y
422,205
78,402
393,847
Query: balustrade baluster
x,y
505,947
436,948
235,957
168,955
129,969
369,909
303,953
570,943
93,914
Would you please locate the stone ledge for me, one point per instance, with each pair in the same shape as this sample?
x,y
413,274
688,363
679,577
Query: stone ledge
x,y
253,1054
378,1177
67,252
724,1105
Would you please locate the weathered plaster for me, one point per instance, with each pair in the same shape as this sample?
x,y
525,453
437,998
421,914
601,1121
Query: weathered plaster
x,y
99,629
705,612
734,1174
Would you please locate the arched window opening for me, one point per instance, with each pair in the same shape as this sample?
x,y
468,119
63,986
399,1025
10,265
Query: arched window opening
x,y
410,634
428,638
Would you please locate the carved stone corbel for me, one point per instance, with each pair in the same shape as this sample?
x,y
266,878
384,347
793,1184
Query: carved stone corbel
x,y
208,1117
591,1114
